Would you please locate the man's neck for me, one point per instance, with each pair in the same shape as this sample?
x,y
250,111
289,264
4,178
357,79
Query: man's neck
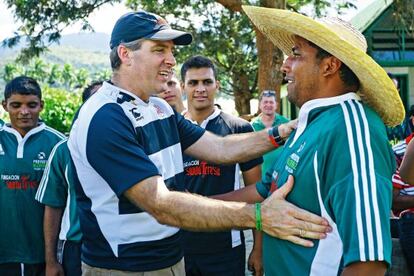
x,y
199,115
123,82
268,119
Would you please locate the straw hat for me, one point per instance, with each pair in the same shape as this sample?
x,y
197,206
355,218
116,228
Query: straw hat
x,y
343,41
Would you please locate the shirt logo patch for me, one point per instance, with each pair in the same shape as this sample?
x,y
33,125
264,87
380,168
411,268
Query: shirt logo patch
x,y
41,155
273,184
160,112
292,163
195,167
39,164
136,114
17,182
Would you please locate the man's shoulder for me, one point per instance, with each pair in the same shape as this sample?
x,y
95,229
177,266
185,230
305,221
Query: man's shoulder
x,y
233,120
51,132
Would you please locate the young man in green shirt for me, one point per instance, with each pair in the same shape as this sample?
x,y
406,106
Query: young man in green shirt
x,y
61,221
25,147
339,154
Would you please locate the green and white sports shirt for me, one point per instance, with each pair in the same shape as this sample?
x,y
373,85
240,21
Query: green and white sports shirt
x,y
57,190
342,164
22,162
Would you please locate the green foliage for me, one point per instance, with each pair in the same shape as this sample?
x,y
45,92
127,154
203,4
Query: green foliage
x,y
55,75
60,108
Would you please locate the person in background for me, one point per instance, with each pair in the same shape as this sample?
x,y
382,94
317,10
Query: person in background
x,y
403,205
266,119
25,146
214,253
172,95
61,221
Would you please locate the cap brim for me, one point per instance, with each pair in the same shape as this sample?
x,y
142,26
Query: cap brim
x,y
178,37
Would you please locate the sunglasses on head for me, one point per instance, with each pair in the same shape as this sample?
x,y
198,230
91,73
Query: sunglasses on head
x,y
268,93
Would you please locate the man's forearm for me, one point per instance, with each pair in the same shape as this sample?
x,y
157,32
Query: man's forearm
x,y
51,226
374,268
198,213
279,218
402,202
235,148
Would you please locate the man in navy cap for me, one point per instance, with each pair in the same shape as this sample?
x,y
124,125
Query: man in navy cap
x,y
127,149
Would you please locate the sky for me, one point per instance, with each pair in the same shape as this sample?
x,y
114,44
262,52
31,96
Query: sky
x,y
103,19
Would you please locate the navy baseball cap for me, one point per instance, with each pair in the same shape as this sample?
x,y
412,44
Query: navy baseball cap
x,y
141,24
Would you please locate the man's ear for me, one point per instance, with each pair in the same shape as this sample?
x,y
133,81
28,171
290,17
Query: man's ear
x,y
42,104
330,65
4,104
124,54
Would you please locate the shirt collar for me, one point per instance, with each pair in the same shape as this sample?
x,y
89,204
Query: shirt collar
x,y
121,95
314,104
212,116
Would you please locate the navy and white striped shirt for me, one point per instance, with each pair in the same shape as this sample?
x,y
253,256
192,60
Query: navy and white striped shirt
x,y
117,141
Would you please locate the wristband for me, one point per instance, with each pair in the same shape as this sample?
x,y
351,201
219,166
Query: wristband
x,y
274,137
258,217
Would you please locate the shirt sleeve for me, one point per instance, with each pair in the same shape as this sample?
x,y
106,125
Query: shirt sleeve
x,y
113,151
53,188
263,187
189,132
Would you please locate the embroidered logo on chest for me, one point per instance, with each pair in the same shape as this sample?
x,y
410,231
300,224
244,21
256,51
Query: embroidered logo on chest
x,y
138,116
39,164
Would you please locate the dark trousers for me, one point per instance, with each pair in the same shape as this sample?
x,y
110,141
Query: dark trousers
x,y
71,258
228,263
406,227
19,269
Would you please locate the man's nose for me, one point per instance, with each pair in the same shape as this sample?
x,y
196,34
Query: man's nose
x,y
286,65
170,59
200,88
24,110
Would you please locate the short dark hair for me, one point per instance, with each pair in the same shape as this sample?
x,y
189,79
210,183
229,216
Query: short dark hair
x,y
90,89
22,85
197,62
346,74
113,55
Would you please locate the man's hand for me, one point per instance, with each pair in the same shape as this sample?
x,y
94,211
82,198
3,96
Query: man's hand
x,y
255,264
54,269
287,128
285,221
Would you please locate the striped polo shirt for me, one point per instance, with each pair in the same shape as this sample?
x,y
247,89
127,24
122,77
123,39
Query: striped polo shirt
x,y
117,141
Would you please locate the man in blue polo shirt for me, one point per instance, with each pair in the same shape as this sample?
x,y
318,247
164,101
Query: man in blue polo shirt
x,y
339,154
127,149
219,253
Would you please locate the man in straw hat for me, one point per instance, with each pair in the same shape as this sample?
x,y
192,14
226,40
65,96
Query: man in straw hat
x,y
339,153
127,149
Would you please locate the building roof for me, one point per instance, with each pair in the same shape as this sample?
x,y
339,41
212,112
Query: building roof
x,y
367,16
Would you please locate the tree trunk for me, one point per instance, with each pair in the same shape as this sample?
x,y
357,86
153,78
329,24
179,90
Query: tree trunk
x,y
242,93
270,60
270,57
